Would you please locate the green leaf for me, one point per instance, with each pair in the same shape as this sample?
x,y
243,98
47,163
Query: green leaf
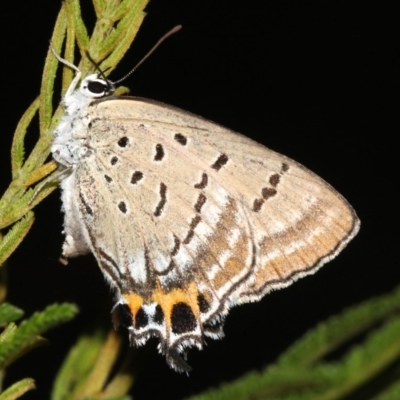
x,y
77,365
301,373
27,332
117,24
120,40
17,149
86,372
18,389
49,72
9,313
15,236
368,360
391,393
8,332
329,335
271,384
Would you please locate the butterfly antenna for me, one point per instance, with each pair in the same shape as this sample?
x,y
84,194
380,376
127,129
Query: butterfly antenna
x,y
166,36
99,70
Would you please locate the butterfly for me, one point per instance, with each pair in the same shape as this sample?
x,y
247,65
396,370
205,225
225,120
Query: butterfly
x,y
185,218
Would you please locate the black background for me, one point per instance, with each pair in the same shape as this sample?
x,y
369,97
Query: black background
x,y
314,80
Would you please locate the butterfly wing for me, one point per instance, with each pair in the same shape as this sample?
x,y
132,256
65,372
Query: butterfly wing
x,y
187,218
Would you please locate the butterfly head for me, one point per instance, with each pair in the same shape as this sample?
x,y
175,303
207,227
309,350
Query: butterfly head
x,y
96,87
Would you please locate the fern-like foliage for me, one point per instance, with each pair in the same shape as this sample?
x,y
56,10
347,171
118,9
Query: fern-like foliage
x,y
117,24
303,372
88,370
17,340
324,364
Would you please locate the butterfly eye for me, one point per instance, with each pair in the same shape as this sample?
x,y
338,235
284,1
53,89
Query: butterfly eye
x,y
97,87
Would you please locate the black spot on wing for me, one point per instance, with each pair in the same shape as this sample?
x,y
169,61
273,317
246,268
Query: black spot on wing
x,y
158,315
123,142
203,183
136,177
182,319
141,319
268,192
284,168
200,202
204,306
163,200
257,205
123,315
220,162
159,152
195,221
180,139
177,245
122,207
274,180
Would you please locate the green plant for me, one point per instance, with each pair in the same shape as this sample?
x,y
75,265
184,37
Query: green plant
x,y
304,371
116,26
